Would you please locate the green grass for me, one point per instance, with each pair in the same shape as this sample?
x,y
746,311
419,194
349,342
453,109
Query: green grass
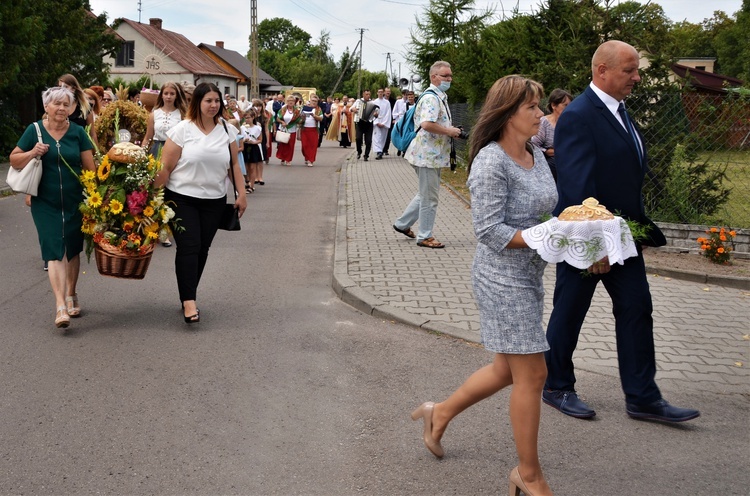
x,y
457,179
736,212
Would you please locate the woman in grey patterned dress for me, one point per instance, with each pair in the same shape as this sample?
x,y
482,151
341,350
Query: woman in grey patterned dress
x,y
511,190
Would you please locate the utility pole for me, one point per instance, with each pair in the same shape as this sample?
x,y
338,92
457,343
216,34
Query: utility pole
x,y
254,85
388,61
341,76
359,80
139,11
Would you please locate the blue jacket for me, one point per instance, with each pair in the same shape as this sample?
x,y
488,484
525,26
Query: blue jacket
x,y
596,157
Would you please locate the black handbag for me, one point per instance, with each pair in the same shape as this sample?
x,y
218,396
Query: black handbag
x,y
230,217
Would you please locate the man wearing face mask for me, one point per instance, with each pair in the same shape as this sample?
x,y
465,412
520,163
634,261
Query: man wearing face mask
x,y
428,153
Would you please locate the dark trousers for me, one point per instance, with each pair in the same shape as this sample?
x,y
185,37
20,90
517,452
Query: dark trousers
x,y
323,129
200,219
387,145
364,131
631,305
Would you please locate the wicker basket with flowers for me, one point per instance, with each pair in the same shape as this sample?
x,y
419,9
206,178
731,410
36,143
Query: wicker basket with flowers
x,y
124,214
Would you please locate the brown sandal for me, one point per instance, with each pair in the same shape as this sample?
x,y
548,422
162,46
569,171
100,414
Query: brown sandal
x,y
406,232
430,243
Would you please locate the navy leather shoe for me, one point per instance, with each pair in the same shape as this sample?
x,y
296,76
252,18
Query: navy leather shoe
x,y
568,403
661,410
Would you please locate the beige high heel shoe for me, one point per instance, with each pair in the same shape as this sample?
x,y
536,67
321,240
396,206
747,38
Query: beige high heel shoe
x,y
74,309
517,485
425,412
62,319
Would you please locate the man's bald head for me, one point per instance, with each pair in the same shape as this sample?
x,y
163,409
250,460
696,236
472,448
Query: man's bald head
x,y
614,68
609,52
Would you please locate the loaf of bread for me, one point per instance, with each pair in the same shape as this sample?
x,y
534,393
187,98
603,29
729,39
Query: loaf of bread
x,y
590,209
126,152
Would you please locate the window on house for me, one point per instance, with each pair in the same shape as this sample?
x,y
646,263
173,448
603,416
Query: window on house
x,y
700,67
126,55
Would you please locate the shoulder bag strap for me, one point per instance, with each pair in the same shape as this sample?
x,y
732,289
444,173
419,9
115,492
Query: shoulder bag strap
x,y
231,165
38,133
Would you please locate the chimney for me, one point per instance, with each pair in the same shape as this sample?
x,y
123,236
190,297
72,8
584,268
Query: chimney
x,y
220,44
155,22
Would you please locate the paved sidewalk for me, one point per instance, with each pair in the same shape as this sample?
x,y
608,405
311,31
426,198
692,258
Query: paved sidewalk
x,y
701,331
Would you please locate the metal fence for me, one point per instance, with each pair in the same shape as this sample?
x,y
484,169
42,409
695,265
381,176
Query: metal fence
x,y
699,155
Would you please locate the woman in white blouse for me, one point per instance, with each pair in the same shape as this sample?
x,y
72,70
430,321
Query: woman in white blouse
x,y
195,162
309,134
289,117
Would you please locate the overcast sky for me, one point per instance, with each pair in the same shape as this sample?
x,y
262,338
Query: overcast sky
x,y
388,22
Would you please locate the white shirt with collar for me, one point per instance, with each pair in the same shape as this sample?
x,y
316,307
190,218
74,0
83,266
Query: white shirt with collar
x,y
609,102
613,105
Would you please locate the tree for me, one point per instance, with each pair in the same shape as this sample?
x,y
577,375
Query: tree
x,y
691,40
370,81
40,41
444,32
280,35
732,46
286,53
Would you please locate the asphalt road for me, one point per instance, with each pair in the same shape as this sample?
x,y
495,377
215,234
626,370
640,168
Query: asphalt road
x,y
283,389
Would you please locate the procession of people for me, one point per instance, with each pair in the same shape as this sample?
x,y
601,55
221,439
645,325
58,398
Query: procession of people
x,y
203,138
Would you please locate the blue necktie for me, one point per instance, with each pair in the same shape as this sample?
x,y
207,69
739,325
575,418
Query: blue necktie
x,y
631,131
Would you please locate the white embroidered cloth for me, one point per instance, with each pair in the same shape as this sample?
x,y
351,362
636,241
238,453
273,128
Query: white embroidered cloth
x,y
581,243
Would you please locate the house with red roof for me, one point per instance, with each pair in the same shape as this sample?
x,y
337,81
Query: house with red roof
x,y
148,49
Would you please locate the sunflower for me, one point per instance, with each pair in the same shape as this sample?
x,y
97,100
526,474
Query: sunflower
x,y
88,226
153,227
115,206
89,175
94,200
104,169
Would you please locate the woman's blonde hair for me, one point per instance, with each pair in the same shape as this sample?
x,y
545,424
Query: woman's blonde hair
x,y
503,100
80,97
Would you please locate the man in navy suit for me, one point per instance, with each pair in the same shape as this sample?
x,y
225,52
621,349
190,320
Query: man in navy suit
x,y
600,154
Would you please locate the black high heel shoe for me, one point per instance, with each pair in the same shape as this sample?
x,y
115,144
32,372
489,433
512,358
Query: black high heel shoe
x,y
193,319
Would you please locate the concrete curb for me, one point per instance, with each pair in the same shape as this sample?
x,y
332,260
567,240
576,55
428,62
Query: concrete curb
x,y
742,283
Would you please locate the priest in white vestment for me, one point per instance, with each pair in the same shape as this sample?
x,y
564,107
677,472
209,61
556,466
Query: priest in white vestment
x,y
381,124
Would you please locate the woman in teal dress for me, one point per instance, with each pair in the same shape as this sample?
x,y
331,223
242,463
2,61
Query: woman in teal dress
x,y
55,208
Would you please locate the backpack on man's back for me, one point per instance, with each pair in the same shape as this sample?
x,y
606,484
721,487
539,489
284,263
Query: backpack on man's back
x,y
403,132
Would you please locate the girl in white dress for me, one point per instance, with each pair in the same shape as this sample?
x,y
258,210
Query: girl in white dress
x,y
254,156
170,109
